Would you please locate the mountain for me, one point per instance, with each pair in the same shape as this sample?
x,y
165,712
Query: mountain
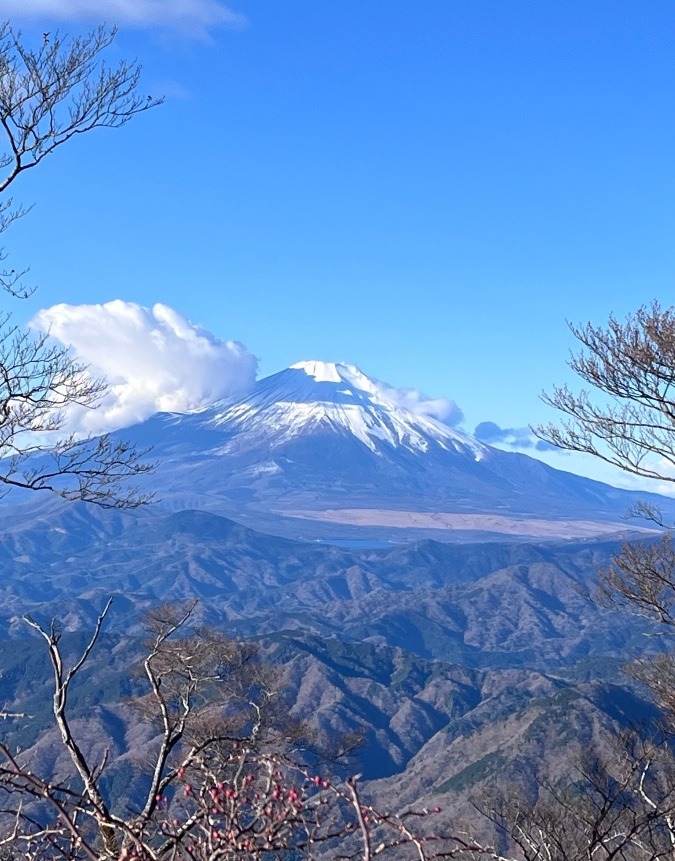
x,y
319,398
321,450
464,666
426,597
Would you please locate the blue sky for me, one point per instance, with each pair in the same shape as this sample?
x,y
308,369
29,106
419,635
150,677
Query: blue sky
x,y
426,189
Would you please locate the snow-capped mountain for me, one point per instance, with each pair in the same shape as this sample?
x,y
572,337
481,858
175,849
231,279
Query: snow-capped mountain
x,y
321,444
316,397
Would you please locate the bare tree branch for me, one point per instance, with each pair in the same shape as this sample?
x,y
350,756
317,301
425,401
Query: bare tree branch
x,y
48,95
630,367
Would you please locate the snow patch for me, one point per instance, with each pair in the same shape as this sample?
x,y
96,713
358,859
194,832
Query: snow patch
x,y
323,372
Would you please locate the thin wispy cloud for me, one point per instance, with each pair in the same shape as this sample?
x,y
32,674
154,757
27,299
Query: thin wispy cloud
x,y
196,18
154,359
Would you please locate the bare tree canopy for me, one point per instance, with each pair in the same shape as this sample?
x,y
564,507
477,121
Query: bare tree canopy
x,y
641,579
49,94
627,418
225,780
622,808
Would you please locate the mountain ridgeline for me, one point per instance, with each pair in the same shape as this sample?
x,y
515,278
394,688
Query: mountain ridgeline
x,y
461,665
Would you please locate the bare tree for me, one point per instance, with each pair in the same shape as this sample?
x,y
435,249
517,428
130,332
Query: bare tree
x,y
49,94
627,418
619,807
624,808
204,692
631,366
641,578
224,781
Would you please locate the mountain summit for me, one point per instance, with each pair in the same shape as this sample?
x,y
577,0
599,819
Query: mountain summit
x,y
311,398
321,449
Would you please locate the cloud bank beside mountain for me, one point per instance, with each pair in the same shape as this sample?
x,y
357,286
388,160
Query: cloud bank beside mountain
x,y
157,360
154,359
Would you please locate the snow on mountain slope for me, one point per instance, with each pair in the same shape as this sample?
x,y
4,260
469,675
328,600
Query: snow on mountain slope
x,y
312,396
320,437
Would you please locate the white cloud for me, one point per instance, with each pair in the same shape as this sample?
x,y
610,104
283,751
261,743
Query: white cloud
x,y
194,17
441,409
155,360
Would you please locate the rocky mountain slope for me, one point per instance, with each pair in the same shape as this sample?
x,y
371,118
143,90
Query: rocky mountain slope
x,y
462,665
